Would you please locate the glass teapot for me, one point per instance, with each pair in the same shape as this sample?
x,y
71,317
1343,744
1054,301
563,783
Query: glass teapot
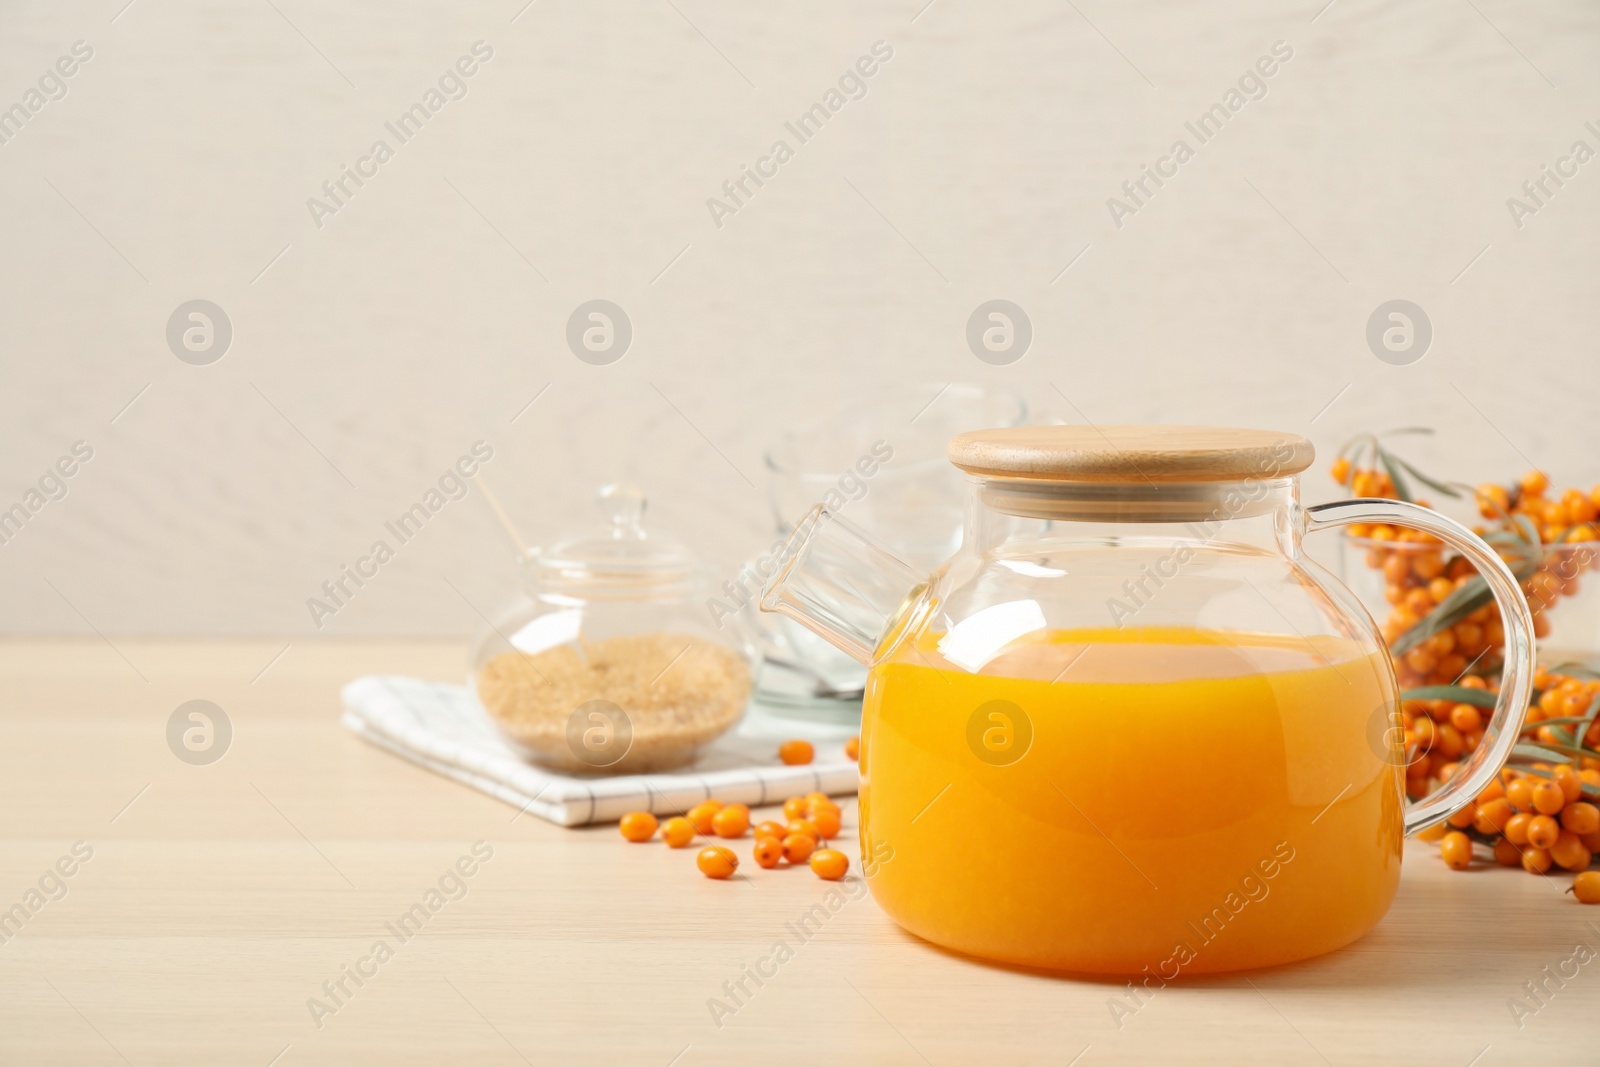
x,y
1130,728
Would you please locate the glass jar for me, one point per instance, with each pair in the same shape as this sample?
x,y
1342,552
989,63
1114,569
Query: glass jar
x,y
1129,727
1393,580
607,663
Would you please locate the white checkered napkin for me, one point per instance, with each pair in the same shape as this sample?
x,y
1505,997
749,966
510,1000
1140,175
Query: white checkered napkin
x,y
440,727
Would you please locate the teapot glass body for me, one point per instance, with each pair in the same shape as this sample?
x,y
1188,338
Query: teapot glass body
x,y
1131,728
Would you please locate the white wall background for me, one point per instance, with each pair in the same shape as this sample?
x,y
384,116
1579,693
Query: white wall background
x,y
179,164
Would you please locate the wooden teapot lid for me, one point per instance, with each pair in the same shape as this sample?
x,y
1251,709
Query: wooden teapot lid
x,y
1159,454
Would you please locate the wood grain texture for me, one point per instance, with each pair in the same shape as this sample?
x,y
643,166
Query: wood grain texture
x,y
1131,454
222,897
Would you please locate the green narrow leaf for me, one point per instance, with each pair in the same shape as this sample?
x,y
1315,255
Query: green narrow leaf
x,y
1446,488
1461,694
1577,670
1542,753
1529,530
1401,486
1543,750
1463,601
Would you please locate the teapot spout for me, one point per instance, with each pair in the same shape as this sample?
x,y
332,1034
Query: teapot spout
x,y
839,583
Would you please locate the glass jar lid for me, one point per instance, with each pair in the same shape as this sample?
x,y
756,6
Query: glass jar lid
x,y
619,560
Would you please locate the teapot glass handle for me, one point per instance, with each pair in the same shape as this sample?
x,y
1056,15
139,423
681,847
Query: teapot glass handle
x,y
1516,682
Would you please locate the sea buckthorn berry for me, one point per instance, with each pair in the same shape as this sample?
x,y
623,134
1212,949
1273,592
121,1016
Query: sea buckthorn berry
x,y
1340,470
1424,733
1506,854
817,798
717,862
1466,718
1429,565
1571,785
1586,887
852,748
1433,833
768,828
1421,660
825,804
1543,831
638,826
701,815
768,851
1534,483
1520,793
1581,818
1494,792
797,848
1464,818
793,753
1493,500
1548,798
731,821
1535,860
829,864
1450,745
795,808
1516,828
804,826
1492,817
1396,569
1456,848
826,820
677,832
1569,853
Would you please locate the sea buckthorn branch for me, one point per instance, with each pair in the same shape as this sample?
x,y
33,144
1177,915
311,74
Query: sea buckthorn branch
x,y
1444,622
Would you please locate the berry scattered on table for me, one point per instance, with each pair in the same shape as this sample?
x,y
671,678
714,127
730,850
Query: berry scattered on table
x,y
638,826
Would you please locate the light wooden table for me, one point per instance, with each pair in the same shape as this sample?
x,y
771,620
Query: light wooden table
x,y
220,898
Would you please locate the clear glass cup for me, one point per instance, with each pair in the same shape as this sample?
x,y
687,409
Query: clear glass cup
x,y
881,461
1130,713
607,662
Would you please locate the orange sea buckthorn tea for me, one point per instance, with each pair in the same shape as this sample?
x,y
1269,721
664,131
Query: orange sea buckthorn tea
x,y
1129,728
1174,795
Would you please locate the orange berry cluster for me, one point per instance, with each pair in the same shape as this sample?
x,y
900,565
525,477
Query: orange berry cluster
x,y
1563,696
1418,576
1569,517
1439,732
1537,820
811,820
